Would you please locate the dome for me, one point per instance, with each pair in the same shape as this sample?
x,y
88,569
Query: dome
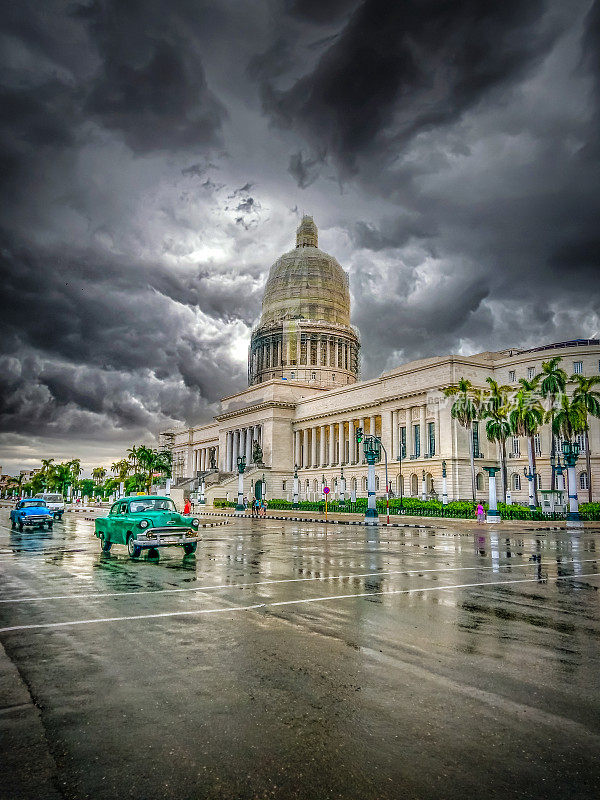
x,y
306,283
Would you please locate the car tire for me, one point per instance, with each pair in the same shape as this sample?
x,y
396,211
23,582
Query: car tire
x,y
189,549
20,527
133,549
50,524
105,544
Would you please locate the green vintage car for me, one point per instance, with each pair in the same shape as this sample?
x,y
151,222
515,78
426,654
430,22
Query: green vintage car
x,y
146,522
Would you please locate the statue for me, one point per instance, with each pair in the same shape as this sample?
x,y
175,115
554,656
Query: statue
x,y
212,458
257,453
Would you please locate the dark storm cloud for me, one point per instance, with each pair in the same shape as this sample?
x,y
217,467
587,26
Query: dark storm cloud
x,y
401,68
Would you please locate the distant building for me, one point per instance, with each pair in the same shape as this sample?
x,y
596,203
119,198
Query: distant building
x,y
304,402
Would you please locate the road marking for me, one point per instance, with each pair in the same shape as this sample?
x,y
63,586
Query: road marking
x,y
327,598
91,595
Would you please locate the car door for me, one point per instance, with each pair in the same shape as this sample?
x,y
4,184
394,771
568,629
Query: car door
x,y
120,523
109,524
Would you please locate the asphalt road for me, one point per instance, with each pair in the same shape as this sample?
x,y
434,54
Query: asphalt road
x,y
287,661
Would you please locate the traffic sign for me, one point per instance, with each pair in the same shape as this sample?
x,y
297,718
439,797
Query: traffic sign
x,y
326,490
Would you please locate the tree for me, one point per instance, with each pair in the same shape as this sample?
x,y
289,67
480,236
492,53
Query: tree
x,y
465,411
588,399
497,426
525,416
151,462
46,471
121,469
98,474
552,384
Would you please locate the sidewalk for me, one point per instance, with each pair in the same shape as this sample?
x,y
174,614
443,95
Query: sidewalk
x,y
404,521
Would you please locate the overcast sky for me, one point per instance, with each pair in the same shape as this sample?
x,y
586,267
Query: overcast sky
x,y
156,157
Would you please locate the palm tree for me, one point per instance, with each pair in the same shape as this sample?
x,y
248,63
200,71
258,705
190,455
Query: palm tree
x,y
553,383
525,416
133,457
464,410
152,461
497,427
98,474
589,399
46,470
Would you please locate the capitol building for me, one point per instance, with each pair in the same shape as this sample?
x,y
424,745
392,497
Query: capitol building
x,y
305,400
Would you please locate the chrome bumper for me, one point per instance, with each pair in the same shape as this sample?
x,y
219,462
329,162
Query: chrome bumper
x,y
167,539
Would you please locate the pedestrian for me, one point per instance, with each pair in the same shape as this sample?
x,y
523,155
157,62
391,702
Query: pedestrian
x,y
245,503
480,513
187,508
253,507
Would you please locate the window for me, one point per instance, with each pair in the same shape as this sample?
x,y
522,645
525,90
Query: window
x,y
284,485
538,480
414,485
512,376
530,373
293,375
516,481
417,438
578,367
479,481
364,484
403,441
476,452
516,451
537,444
314,376
376,483
431,437
583,481
333,376
580,439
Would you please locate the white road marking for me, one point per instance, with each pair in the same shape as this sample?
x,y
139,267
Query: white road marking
x,y
327,598
91,595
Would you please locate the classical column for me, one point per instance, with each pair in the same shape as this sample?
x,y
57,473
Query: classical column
x,y
235,450
305,447
410,448
438,447
331,443
393,435
229,457
248,445
351,442
242,443
341,443
423,433
297,448
361,446
372,425
321,445
318,351
313,447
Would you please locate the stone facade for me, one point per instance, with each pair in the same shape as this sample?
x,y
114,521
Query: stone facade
x,y
301,424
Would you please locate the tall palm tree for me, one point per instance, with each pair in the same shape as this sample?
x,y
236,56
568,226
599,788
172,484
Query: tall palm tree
x,y
525,416
133,457
589,399
497,427
464,410
47,470
552,384
98,474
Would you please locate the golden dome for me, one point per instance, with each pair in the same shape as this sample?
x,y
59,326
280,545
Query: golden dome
x,y
306,283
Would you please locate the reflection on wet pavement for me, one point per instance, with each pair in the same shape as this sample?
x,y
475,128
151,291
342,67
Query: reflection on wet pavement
x,y
291,660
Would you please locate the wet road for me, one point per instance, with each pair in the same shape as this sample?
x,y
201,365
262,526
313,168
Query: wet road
x,y
284,661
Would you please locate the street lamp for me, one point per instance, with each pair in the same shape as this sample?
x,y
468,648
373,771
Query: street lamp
x,y
399,460
423,487
342,492
372,448
492,515
241,465
570,456
530,477
295,486
444,485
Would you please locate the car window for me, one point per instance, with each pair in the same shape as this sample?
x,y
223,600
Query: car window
x,y
115,508
123,508
151,504
33,503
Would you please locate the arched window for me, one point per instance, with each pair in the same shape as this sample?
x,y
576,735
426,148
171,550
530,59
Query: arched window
x,y
364,484
293,375
354,484
307,486
538,480
583,480
414,485
516,481
284,485
314,376
376,483
429,482
479,481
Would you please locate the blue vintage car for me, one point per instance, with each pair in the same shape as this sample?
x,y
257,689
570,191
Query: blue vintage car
x,y
31,514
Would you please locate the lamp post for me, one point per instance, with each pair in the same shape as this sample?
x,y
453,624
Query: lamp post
x,y
295,504
530,477
342,488
202,490
444,485
241,465
371,450
423,487
399,460
492,515
570,455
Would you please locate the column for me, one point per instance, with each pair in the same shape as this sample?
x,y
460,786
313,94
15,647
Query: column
x,y
438,447
394,435
410,448
424,442
341,443
305,447
318,351
229,457
331,443
248,445
313,447
372,425
297,448
351,442
235,451
321,445
242,445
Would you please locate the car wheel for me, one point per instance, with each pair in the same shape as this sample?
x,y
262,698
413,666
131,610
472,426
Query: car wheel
x,y
132,548
105,545
50,524
20,527
188,549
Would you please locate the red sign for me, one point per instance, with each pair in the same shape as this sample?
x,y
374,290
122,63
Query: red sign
x,y
326,490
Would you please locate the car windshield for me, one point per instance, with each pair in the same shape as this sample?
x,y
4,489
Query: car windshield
x,y
151,504
52,498
33,503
